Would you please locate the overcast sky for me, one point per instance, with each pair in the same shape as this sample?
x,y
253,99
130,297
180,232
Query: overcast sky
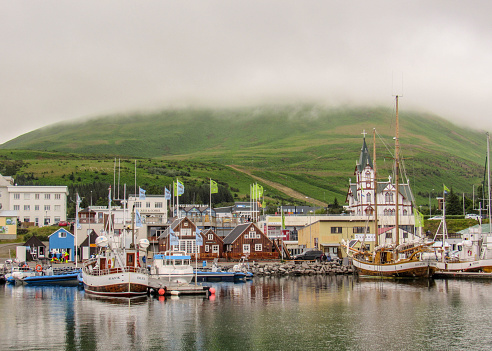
x,y
62,60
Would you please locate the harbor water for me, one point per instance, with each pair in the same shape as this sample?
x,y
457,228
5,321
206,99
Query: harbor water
x,y
290,313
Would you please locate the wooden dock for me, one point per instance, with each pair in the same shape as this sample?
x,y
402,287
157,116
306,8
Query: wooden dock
x,y
161,287
462,275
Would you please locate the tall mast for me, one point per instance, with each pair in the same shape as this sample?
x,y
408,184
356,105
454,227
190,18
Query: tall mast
x,y
397,172
488,176
376,230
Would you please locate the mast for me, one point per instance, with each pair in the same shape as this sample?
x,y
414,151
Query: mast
x,y
488,176
397,172
376,242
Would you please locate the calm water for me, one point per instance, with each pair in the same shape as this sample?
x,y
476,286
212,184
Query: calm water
x,y
302,313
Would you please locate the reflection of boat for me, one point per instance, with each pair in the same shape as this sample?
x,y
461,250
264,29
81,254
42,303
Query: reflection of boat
x,y
116,270
172,266
60,276
391,259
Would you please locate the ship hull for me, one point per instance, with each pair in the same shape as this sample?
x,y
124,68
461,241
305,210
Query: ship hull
x,y
410,269
125,284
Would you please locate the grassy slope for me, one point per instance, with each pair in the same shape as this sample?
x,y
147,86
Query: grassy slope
x,y
309,148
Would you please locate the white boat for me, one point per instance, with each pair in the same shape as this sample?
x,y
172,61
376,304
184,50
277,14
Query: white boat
x,y
172,266
116,270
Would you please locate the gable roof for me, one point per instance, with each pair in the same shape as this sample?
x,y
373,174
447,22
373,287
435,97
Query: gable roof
x,y
236,232
61,230
34,241
364,158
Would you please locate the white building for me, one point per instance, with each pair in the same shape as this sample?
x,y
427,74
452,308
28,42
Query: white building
x,y
42,205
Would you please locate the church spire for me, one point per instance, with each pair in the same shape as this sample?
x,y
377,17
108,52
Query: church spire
x,y
365,157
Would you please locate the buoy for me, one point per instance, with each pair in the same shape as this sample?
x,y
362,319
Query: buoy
x,y
212,291
161,291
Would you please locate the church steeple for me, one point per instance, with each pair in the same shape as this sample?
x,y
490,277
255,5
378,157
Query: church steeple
x,y
365,157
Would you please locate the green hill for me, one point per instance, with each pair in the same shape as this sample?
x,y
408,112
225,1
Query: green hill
x,y
310,148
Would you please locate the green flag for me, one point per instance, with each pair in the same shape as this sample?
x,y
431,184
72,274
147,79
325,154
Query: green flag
x,y
259,190
214,188
446,190
419,219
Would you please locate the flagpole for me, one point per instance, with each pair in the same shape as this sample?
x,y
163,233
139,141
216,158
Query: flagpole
x,y
210,214
177,198
76,225
135,178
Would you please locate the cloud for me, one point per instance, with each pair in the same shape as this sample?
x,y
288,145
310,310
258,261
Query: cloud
x,y
66,60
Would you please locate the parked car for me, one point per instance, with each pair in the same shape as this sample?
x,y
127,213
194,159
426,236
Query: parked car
x,y
311,255
435,218
472,216
62,224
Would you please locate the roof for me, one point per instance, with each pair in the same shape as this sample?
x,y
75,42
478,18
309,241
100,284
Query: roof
x,y
364,158
236,232
60,230
476,229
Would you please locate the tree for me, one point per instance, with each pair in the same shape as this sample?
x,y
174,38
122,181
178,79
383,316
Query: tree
x,y
453,204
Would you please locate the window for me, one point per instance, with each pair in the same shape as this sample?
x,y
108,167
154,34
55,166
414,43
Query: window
x,y
57,196
388,197
138,204
210,237
147,204
26,219
368,197
27,208
62,234
258,247
57,219
185,231
36,221
389,235
16,196
36,196
336,230
158,205
47,207
46,220
47,196
246,248
57,208
27,196
215,248
360,230
36,207
207,247
16,207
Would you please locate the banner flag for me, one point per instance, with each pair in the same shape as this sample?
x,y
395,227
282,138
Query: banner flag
x,y
199,238
179,188
167,194
138,219
141,193
419,219
214,188
173,238
446,190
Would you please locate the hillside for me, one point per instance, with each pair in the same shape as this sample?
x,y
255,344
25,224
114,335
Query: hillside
x,y
309,148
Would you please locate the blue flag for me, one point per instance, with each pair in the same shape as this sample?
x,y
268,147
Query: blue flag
x,y
138,219
173,239
167,194
199,238
141,193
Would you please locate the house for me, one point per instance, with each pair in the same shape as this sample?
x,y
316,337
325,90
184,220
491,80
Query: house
x,y
62,241
35,249
184,229
213,245
248,240
88,246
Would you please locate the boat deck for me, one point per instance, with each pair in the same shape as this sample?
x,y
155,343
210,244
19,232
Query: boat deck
x,y
176,289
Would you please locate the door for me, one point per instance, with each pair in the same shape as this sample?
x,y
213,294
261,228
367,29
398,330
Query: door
x,y
85,252
246,248
130,259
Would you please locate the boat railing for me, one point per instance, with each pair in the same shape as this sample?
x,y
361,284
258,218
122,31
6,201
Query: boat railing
x,y
127,269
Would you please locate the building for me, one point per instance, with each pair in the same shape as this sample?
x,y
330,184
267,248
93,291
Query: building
x,y
213,245
249,241
35,249
62,241
41,205
8,225
184,229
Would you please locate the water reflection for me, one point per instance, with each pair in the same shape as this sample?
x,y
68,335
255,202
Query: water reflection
x,y
268,313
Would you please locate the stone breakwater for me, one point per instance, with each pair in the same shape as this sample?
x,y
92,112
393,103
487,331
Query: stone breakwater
x,y
300,268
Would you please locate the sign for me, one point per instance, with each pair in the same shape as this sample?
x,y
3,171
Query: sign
x,y
369,237
286,234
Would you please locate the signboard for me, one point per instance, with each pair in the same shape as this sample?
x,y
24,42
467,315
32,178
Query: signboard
x,y
369,237
286,234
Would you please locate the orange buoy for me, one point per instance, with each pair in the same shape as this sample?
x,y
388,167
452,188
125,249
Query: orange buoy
x,y
161,291
39,268
212,291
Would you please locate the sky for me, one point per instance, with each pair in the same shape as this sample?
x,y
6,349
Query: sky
x,y
66,60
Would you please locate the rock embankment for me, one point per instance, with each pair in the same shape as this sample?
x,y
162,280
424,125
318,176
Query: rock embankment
x,y
299,268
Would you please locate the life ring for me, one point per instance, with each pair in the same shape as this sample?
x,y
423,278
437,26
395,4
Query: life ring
x,y
109,263
39,268
469,252
25,266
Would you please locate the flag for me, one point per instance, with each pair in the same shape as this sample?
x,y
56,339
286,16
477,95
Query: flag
x,y
138,219
78,199
167,194
419,219
446,190
179,188
214,188
173,238
199,238
259,191
79,226
283,220
109,197
263,204
141,193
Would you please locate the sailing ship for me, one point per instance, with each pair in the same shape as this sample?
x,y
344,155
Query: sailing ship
x,y
116,270
408,259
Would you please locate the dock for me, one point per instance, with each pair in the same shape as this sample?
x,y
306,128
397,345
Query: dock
x,y
162,287
462,275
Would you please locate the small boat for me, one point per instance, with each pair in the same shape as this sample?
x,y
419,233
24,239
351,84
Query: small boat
x,y
52,276
242,267
17,274
172,266
216,274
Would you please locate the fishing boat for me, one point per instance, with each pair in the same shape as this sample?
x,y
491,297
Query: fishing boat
x,y
473,253
172,266
116,270
17,274
408,259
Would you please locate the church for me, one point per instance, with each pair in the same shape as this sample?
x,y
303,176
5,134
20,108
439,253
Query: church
x,y
362,198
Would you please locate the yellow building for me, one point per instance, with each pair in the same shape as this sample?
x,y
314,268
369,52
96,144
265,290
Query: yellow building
x,y
8,225
326,234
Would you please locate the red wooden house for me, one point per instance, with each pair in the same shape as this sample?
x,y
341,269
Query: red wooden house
x,y
185,230
248,240
213,245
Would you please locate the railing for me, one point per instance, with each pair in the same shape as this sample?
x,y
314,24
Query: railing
x,y
127,269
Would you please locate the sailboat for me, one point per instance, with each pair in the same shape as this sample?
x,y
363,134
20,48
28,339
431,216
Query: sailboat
x,y
116,271
474,252
393,259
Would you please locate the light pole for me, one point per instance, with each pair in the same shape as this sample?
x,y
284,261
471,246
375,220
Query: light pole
x,y
430,207
310,222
